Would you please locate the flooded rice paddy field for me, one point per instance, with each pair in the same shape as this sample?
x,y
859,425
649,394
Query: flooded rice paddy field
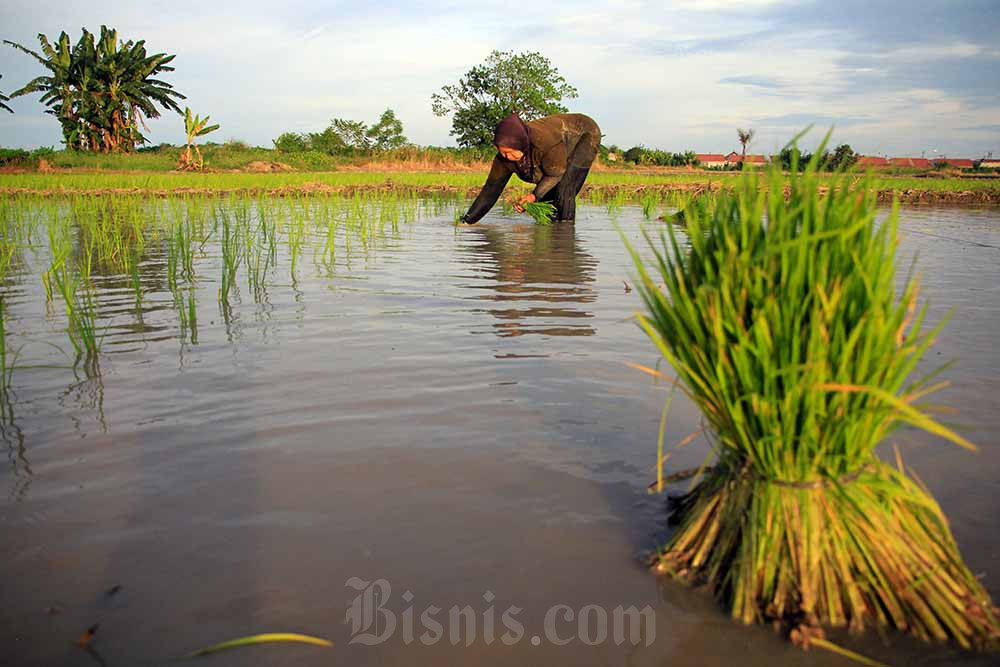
x,y
282,402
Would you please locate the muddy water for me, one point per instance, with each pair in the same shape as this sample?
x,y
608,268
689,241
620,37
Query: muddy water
x,y
450,413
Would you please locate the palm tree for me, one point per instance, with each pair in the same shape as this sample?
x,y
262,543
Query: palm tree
x,y
4,98
745,136
100,90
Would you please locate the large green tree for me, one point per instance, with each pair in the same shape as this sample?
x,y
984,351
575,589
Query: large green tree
x,y
352,133
843,157
101,90
526,83
387,133
4,98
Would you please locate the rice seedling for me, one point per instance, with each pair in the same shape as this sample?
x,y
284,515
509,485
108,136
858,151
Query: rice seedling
x,y
265,638
542,211
260,248
192,316
6,362
187,315
296,233
81,315
7,250
781,321
229,243
329,252
650,202
600,185
183,245
617,200
597,196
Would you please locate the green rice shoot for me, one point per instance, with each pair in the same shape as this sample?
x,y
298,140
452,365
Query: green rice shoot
x,y
542,211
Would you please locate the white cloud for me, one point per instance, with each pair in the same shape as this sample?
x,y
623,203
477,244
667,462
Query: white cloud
x,y
648,72
723,5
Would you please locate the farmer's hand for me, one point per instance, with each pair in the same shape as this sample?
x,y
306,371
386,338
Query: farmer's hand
x,y
519,204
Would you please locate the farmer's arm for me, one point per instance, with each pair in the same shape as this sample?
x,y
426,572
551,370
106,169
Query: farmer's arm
x,y
495,183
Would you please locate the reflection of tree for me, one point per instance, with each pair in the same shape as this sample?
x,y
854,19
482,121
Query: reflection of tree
x,y
88,397
541,277
13,437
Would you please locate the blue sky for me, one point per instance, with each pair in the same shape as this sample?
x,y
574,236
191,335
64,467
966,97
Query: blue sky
x,y
894,77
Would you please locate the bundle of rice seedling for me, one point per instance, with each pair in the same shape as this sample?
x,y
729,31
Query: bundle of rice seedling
x,y
542,211
779,314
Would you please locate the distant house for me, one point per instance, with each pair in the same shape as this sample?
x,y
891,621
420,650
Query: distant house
x,y
957,162
711,159
911,162
735,158
873,161
989,163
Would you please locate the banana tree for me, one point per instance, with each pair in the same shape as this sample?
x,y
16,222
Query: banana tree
x,y
194,126
4,98
100,89
58,93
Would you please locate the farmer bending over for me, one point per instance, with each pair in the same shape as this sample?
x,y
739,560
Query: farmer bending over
x,y
554,152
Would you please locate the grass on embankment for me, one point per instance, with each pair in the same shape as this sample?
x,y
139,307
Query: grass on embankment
x,y
606,182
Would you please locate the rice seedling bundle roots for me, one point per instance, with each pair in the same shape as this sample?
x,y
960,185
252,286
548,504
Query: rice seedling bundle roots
x,y
782,322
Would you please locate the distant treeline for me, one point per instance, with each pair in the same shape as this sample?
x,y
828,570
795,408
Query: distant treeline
x,y
238,155
640,155
842,157
320,152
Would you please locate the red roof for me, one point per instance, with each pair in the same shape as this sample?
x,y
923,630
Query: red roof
x,y
919,162
963,163
872,161
710,157
753,159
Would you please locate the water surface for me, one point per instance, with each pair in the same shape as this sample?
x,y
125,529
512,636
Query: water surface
x,y
449,410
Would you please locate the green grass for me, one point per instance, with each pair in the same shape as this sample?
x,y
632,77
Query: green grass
x,y
781,319
224,156
218,181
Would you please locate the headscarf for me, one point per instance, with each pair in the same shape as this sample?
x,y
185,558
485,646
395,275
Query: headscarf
x,y
513,133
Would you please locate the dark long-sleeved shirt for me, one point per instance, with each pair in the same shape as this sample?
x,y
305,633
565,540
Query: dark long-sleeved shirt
x,y
554,139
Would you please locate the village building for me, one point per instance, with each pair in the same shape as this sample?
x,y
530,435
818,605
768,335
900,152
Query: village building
x,y
735,158
876,162
911,162
957,162
711,159
872,161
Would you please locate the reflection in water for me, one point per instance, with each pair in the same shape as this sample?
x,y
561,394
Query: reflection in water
x,y
541,277
13,438
87,397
